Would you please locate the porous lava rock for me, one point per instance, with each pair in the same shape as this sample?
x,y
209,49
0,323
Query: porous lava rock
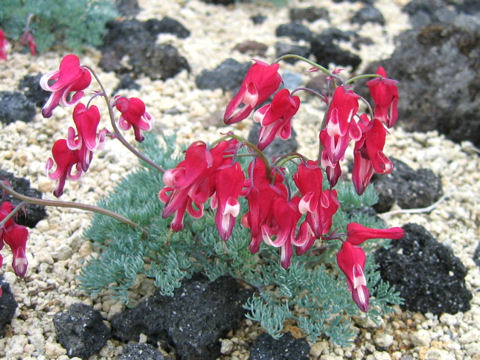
x,y
191,322
408,188
14,106
137,41
228,76
438,73
7,305
81,330
429,277
140,351
286,347
29,85
33,213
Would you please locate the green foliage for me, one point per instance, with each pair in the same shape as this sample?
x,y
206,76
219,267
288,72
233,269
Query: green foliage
x,y
71,23
311,292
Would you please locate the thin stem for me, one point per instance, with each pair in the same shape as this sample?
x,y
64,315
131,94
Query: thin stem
x,y
363,76
117,132
70,204
310,62
259,152
12,213
282,160
311,91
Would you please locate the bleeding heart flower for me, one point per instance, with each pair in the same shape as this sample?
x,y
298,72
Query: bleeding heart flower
x,y
66,84
261,81
133,115
384,93
4,45
65,160
276,118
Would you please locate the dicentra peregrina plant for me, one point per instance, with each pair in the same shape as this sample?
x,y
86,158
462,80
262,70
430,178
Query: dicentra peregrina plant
x,y
283,201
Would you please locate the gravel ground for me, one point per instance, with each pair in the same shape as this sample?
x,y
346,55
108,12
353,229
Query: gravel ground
x,y
56,249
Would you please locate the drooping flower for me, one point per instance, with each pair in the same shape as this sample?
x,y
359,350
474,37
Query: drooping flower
x,y
283,226
87,140
228,187
65,160
261,81
351,260
4,44
368,154
275,118
261,193
66,84
192,182
340,128
133,115
384,93
319,205
27,38
15,236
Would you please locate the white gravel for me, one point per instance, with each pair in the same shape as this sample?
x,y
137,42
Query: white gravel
x,y
56,250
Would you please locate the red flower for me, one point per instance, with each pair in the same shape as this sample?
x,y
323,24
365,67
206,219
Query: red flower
x,y
283,226
27,38
260,82
15,236
3,46
351,260
192,182
320,206
276,117
261,194
133,115
368,154
339,130
357,233
70,78
228,186
87,140
65,159
384,93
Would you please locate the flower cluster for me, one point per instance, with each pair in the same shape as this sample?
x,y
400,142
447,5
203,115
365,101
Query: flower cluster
x,y
74,154
15,236
277,215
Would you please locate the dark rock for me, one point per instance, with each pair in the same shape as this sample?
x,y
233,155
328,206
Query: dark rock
x,y
126,83
287,347
30,86
251,47
159,62
220,2
227,76
127,8
282,48
33,213
326,51
429,277
139,351
295,31
167,25
15,106
408,188
476,255
368,14
258,19
192,321
438,69
310,14
7,305
81,330
278,146
131,38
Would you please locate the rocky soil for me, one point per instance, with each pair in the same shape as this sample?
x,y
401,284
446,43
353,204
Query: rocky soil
x,y
56,249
